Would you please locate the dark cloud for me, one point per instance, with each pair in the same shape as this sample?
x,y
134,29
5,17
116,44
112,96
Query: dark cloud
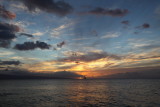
x,y
42,45
58,7
144,26
61,44
126,22
7,31
6,14
110,12
10,62
31,46
5,35
25,46
90,56
26,34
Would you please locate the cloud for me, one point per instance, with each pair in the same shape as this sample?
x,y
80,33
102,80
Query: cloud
x,y
144,26
125,22
157,10
111,35
7,33
61,27
90,56
61,30
142,59
31,46
10,62
150,46
5,53
23,24
38,34
61,44
25,59
56,32
26,34
6,14
59,7
18,6
109,12
144,44
81,38
154,54
65,67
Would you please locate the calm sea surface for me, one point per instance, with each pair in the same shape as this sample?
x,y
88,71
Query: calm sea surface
x,y
80,93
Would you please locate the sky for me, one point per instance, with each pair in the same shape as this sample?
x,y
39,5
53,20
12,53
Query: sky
x,y
87,37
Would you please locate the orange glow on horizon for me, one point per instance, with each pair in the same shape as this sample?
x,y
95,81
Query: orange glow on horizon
x,y
89,69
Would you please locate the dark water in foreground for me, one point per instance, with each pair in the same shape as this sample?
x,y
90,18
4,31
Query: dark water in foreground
x,y
80,93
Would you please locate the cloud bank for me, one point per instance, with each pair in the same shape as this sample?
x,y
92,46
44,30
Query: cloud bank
x,y
108,12
10,62
51,6
90,56
31,46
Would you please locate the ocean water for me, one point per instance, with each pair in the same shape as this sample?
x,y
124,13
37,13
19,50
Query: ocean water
x,y
80,93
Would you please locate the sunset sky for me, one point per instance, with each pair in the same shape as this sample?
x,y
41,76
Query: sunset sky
x,y
88,37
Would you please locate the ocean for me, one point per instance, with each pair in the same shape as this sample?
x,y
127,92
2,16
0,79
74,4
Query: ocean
x,y
80,93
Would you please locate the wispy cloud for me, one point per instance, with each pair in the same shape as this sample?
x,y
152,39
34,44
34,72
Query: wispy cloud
x,y
90,56
110,12
38,33
157,11
6,14
111,35
143,44
61,30
26,60
6,53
